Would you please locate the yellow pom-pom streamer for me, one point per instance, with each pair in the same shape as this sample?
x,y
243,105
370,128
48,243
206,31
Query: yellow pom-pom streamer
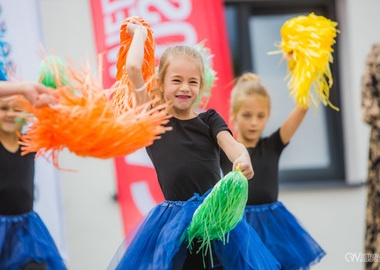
x,y
309,39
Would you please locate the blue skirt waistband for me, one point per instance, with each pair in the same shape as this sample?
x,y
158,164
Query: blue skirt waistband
x,y
196,199
263,207
17,218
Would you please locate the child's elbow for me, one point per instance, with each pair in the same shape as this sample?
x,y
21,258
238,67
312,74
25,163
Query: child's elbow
x,y
133,69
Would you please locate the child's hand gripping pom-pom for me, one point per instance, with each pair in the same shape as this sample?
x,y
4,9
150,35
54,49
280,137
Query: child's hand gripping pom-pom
x,y
219,213
309,40
86,122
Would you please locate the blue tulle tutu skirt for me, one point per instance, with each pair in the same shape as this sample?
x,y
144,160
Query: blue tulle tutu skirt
x,y
292,246
156,244
25,238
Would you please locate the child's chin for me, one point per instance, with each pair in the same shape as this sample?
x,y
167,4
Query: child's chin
x,y
183,107
11,129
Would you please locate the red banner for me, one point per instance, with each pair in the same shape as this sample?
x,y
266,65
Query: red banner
x,y
174,22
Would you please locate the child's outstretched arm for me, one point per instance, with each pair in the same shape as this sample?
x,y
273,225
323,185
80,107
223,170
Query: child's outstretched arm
x,y
135,59
295,118
236,153
38,94
292,123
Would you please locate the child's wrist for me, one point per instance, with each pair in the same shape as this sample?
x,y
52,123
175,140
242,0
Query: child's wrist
x,y
18,89
141,32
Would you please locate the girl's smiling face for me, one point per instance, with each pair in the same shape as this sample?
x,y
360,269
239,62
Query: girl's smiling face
x,y
8,122
182,85
251,118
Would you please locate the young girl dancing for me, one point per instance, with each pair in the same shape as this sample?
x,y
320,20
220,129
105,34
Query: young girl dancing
x,y
292,246
25,242
186,160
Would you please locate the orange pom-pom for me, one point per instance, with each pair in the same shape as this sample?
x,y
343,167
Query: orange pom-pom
x,y
87,123
122,93
148,67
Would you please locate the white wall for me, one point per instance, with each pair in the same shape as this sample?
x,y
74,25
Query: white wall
x,y
334,217
359,21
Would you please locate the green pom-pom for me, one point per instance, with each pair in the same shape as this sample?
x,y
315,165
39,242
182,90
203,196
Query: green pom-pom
x,y
21,119
220,212
49,68
209,74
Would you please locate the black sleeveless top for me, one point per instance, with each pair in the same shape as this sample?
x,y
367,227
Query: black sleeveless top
x,y
16,182
263,187
186,159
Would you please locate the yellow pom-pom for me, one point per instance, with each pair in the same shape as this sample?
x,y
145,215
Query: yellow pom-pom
x,y
309,39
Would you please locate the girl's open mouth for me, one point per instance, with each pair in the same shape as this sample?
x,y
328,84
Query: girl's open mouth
x,y
183,97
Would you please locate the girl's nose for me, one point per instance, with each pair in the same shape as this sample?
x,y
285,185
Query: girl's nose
x,y
10,112
185,87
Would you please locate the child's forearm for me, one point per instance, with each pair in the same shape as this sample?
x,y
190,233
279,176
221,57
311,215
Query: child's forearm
x,y
239,155
135,57
38,94
292,123
10,89
236,153
134,62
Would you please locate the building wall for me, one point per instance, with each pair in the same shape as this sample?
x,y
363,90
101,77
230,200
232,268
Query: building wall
x,y
359,31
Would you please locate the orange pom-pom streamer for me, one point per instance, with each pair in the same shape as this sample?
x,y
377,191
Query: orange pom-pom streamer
x,y
86,123
122,93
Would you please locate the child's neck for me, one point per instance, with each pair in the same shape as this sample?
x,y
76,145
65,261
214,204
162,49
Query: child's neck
x,y
247,143
182,115
10,141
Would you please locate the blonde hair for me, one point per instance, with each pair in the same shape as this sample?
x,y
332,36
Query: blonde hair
x,y
166,58
246,85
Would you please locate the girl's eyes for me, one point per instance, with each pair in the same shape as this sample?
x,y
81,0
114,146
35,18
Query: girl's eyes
x,y
247,115
7,109
179,81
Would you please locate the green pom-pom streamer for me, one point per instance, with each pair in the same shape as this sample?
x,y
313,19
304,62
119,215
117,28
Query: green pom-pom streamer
x,y
219,213
21,119
49,68
209,74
